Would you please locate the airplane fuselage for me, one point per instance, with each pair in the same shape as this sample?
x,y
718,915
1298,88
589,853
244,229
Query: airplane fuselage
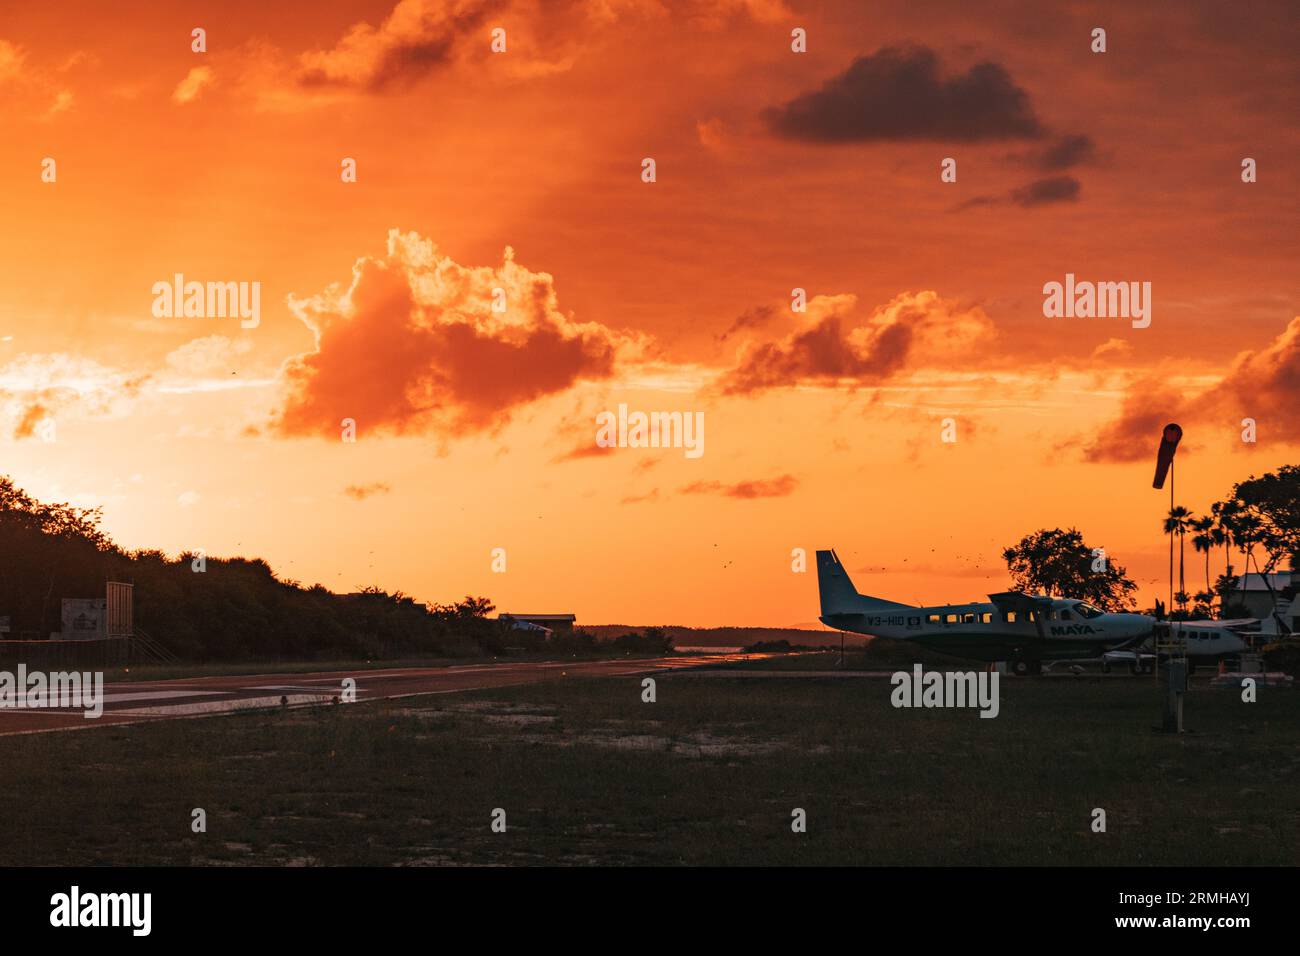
x,y
981,631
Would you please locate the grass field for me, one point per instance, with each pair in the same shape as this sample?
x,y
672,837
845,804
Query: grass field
x,y
709,774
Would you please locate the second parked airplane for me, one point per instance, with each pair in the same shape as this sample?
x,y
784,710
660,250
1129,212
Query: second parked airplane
x,y
1022,629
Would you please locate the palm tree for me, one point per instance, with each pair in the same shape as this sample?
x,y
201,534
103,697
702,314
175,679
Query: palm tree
x,y
1245,529
1225,514
1203,541
1177,523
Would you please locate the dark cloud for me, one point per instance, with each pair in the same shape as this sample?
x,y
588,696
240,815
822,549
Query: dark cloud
x,y
750,319
1066,152
1040,192
1043,191
899,94
416,38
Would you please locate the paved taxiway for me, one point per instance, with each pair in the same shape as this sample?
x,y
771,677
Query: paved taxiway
x,y
138,701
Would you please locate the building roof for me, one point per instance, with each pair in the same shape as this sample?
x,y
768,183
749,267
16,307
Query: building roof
x,y
1255,582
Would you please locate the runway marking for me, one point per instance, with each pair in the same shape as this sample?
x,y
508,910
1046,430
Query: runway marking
x,y
21,699
226,706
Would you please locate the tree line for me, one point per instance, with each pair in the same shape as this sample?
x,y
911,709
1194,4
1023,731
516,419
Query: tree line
x,y
237,608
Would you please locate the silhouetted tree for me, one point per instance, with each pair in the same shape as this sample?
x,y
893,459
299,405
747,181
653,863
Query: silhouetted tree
x,y
1056,562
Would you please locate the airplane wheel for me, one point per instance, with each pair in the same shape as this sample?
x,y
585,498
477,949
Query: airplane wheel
x,y
1020,668
1135,669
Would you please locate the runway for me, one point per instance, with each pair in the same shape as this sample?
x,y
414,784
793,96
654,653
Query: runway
x,y
127,702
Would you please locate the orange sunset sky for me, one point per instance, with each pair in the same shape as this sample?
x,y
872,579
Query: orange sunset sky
x,y
522,171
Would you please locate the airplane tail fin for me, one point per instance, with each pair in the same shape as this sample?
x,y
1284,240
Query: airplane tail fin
x,y
838,595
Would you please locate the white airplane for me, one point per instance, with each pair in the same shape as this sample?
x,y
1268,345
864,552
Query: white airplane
x,y
1202,641
518,625
1023,629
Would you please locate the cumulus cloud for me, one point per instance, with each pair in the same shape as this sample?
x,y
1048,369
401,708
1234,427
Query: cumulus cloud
x,y
195,82
828,346
899,93
1263,384
36,387
778,487
413,345
416,38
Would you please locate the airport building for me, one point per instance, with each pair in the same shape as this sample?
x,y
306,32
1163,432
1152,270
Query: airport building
x,y
1257,593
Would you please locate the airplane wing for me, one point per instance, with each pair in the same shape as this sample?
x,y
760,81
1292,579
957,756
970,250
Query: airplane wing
x,y
1023,604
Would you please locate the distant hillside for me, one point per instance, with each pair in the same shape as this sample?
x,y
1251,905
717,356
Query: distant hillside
x,y
728,636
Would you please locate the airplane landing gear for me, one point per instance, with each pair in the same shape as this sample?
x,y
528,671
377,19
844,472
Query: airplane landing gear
x,y
1023,668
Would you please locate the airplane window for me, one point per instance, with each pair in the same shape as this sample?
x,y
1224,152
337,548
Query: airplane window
x,y
932,619
1087,610
968,618
950,619
1011,617
986,617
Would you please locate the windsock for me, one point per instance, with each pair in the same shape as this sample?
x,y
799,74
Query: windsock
x,y
1173,434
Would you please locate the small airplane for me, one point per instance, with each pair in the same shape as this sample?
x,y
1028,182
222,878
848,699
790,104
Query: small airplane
x,y
1024,629
1198,641
519,625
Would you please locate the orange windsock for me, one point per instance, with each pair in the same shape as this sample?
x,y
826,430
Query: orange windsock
x,y
1173,434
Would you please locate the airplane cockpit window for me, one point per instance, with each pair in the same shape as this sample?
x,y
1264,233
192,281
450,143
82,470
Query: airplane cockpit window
x,y
1087,610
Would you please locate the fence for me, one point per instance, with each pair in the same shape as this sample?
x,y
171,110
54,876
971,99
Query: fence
x,y
83,655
